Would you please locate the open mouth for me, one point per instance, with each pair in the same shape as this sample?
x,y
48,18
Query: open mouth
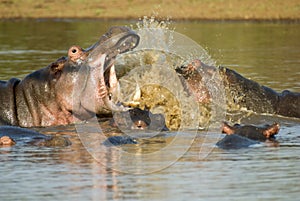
x,y
98,75
124,44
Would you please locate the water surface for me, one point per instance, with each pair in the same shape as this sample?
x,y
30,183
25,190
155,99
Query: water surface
x,y
265,52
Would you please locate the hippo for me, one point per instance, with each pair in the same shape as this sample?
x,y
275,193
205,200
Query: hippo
x,y
242,136
241,93
119,140
135,119
238,136
6,141
71,89
11,135
259,133
138,119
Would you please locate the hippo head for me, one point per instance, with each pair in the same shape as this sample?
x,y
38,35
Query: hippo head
x,y
96,83
78,86
138,119
90,74
192,76
260,133
6,141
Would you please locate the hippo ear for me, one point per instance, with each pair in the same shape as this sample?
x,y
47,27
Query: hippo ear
x,y
271,130
58,65
227,129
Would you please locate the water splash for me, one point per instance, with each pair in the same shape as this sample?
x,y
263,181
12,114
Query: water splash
x,y
153,63
151,22
160,35
151,68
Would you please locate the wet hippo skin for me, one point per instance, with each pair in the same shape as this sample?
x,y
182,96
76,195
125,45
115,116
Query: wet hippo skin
x,y
135,119
45,97
119,140
11,135
6,141
260,133
242,136
240,92
138,119
260,98
235,141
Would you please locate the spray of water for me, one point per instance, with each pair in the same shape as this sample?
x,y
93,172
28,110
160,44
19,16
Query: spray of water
x,y
148,79
153,63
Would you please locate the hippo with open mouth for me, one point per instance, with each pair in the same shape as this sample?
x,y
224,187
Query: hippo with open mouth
x,y
71,89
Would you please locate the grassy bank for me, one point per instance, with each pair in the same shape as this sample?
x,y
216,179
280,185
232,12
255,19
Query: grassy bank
x,y
133,9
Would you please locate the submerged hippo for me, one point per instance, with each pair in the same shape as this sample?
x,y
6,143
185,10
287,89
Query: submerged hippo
x,y
6,141
71,89
239,136
11,135
259,133
135,119
240,92
138,119
119,140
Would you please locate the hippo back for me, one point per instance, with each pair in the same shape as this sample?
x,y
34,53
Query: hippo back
x,y
21,134
8,102
235,141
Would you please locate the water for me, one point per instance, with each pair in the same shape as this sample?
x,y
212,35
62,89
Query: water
x,y
265,52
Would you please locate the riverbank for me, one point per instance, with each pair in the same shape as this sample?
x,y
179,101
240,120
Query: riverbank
x,y
267,10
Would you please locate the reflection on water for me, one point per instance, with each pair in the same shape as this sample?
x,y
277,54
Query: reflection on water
x,y
266,52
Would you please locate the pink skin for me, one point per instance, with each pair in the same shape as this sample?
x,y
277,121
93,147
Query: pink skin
x,y
71,89
139,125
83,92
104,94
193,73
6,141
86,82
272,130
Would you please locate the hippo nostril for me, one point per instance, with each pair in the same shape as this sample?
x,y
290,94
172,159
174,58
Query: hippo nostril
x,y
74,51
140,124
76,54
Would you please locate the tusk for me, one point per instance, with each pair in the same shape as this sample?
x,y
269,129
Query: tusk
x,y
137,95
114,84
113,81
104,94
113,107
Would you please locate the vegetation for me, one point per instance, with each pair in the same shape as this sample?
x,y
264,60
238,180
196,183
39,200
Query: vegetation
x,y
134,9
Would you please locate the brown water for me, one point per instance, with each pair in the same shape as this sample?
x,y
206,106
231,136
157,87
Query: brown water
x,y
265,52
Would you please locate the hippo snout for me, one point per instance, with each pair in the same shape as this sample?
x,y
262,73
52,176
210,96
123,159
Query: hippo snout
x,y
117,41
124,44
